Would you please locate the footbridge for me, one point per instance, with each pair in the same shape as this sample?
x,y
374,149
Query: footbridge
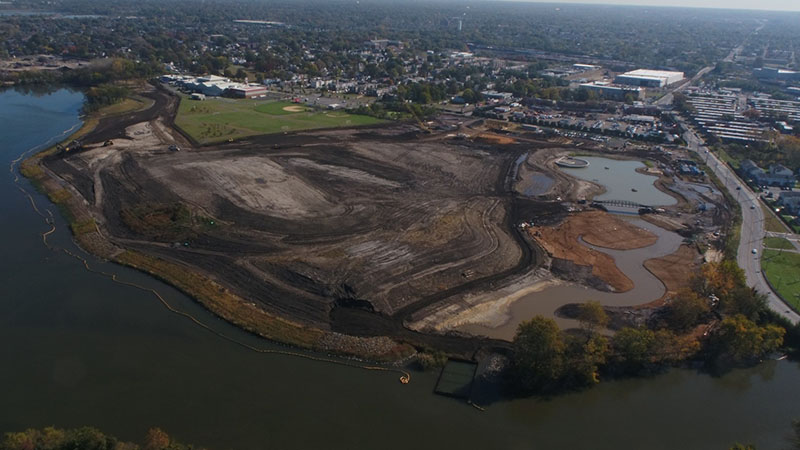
x,y
621,204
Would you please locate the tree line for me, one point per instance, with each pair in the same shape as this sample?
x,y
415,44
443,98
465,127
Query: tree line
x,y
718,321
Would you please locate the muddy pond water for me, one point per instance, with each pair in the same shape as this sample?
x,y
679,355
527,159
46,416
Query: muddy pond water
x,y
621,181
545,302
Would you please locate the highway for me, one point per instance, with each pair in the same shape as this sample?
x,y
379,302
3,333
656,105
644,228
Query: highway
x,y
753,233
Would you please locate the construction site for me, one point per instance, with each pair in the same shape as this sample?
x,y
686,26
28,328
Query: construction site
x,y
431,234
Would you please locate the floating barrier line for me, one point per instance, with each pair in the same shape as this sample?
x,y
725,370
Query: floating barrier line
x,y
405,377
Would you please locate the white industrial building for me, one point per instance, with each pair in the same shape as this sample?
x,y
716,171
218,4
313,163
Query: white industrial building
x,y
649,78
614,92
215,86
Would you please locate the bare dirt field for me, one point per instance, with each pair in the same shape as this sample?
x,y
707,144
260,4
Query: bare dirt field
x,y
675,270
597,228
343,230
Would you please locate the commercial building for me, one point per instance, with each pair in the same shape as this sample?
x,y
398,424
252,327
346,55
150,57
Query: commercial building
x,y
769,73
247,90
717,113
585,67
791,201
494,95
614,92
649,78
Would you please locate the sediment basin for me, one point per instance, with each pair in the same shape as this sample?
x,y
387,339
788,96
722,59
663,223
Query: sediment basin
x,y
545,302
621,181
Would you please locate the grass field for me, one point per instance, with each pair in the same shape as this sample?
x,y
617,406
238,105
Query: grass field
x,y
220,119
771,222
781,269
281,108
725,157
778,243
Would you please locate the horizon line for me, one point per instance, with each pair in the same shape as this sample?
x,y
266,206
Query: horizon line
x,y
646,5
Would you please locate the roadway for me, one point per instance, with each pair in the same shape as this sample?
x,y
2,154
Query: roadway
x,y
753,233
732,55
666,99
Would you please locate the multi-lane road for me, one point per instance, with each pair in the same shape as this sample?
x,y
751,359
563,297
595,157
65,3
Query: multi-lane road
x,y
752,236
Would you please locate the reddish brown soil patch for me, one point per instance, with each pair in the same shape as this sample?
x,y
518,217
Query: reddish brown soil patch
x,y
597,228
674,270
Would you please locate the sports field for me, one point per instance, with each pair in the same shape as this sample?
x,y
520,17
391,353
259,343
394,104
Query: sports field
x,y
220,119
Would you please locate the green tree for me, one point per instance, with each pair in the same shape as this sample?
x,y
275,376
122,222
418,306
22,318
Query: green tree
x,y
538,358
686,310
592,316
632,348
585,359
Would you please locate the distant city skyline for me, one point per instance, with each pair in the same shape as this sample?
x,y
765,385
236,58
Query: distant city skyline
x,y
769,5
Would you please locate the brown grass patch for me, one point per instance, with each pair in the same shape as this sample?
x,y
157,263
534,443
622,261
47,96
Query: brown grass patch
x,y
604,230
675,270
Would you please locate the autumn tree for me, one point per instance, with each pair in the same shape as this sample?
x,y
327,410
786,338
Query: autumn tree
x,y
585,358
739,340
538,358
686,310
156,439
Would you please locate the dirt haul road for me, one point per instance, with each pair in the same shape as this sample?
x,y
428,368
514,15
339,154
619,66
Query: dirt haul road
x,y
345,230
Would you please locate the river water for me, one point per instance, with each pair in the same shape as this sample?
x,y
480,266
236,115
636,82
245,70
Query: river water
x,y
77,349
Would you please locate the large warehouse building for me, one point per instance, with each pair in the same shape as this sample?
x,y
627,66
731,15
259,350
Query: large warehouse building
x,y
649,78
614,92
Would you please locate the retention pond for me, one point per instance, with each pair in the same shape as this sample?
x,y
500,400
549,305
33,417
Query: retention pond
x,y
545,302
621,181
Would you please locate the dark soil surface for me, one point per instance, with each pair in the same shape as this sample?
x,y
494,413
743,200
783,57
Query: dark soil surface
x,y
346,230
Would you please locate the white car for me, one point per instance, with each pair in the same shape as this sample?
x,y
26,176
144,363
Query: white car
x,y
755,252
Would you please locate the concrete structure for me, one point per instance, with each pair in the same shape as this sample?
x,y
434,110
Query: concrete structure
x,y
791,201
614,92
776,175
649,78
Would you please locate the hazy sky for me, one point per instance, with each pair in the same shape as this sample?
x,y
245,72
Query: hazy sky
x,y
780,5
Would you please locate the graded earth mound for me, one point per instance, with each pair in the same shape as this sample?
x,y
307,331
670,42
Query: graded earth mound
x,y
301,224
